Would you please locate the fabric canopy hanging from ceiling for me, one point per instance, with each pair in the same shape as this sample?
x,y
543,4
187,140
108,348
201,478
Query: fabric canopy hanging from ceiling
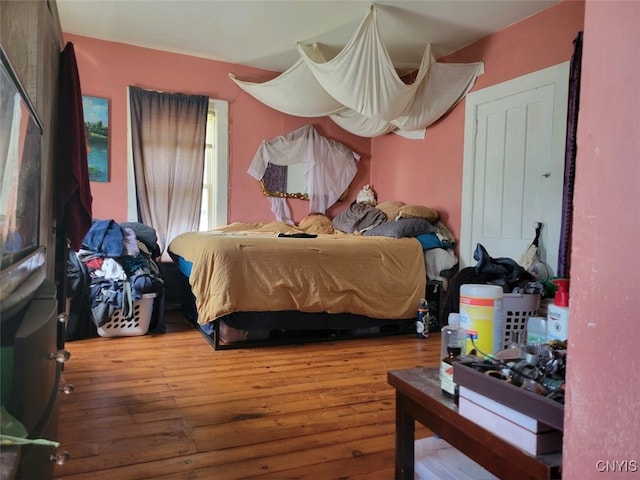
x,y
360,90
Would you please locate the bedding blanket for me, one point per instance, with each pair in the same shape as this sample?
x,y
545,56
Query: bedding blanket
x,y
247,268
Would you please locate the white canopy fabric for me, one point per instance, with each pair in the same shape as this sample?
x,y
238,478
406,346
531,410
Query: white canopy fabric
x,y
329,167
360,89
295,92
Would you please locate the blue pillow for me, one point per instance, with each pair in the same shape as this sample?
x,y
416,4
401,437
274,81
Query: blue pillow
x,y
403,227
431,240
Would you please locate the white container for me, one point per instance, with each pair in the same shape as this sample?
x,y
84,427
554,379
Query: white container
x,y
536,330
557,322
138,324
531,442
514,416
481,317
516,310
558,312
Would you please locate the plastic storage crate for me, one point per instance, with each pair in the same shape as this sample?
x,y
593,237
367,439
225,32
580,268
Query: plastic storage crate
x,y
138,324
516,310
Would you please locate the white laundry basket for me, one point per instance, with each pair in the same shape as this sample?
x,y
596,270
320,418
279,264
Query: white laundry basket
x,y
516,310
138,324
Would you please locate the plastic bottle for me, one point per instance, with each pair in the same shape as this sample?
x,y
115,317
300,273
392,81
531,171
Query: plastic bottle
x,y
536,330
447,385
558,312
422,320
481,317
452,335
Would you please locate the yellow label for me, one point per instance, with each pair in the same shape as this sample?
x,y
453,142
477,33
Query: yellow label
x,y
482,320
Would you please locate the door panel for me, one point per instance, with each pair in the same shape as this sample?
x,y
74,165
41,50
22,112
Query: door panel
x,y
514,166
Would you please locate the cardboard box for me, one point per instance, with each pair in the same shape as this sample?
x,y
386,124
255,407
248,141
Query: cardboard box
x,y
527,440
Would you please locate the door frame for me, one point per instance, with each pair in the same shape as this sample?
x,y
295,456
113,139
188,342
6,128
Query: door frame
x,y
558,75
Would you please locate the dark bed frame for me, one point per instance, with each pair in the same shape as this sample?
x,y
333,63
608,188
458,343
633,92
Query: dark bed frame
x,y
295,327
280,328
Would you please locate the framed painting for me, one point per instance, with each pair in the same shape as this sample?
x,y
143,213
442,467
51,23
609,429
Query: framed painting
x,y
96,120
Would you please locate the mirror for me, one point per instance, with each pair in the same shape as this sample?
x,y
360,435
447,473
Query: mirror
x,y
22,259
20,166
287,181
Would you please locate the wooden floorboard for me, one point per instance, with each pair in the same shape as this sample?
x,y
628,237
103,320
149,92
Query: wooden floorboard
x,y
168,406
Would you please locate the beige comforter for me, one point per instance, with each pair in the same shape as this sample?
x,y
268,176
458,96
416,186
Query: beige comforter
x,y
247,267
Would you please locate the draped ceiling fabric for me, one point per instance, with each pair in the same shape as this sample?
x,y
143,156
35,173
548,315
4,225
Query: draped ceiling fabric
x,y
360,90
329,167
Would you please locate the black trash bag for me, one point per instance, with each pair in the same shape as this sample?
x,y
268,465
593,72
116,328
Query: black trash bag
x,y
78,282
504,269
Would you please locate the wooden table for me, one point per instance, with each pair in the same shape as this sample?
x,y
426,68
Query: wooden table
x,y
419,397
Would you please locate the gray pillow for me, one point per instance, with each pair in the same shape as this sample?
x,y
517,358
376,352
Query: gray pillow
x,y
403,227
357,218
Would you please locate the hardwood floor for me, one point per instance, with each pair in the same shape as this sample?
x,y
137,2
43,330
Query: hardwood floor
x,y
169,406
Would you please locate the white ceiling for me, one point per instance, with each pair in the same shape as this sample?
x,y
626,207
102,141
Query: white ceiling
x,y
263,33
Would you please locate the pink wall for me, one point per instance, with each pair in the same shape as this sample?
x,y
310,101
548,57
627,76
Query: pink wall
x,y
602,419
603,389
107,68
429,171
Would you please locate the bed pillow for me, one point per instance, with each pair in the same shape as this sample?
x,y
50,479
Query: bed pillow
x,y
431,240
357,218
403,227
316,223
443,233
390,208
418,211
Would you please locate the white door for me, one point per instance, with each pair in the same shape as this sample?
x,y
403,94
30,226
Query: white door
x,y
513,170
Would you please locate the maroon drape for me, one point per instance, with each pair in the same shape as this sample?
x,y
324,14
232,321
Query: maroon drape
x,y
72,170
564,250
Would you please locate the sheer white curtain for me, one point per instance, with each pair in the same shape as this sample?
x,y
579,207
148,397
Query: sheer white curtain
x,y
168,133
329,167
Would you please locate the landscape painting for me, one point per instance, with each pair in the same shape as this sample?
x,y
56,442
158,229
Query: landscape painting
x,y
96,120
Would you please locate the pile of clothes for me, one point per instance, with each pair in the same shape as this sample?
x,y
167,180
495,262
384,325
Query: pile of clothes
x,y
502,271
114,267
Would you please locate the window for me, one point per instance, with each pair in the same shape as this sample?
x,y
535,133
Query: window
x,y
213,210
215,182
207,206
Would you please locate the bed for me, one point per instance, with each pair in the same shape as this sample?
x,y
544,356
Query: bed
x,y
250,281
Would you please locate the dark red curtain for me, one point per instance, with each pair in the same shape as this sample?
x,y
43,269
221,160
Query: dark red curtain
x,y
72,170
564,254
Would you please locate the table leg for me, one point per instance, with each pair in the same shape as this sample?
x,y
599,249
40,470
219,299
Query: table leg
x,y
405,436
